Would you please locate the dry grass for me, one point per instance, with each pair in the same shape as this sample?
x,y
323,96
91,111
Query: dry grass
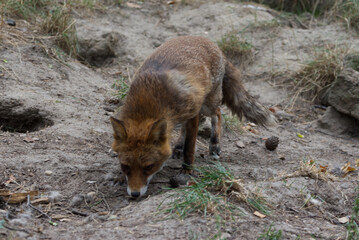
x,y
310,169
317,75
317,7
238,50
60,24
347,10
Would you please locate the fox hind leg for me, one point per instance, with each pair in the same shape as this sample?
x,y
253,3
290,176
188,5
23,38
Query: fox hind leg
x,y
216,133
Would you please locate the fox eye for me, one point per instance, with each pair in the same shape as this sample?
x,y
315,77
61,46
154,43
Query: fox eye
x,y
126,169
148,168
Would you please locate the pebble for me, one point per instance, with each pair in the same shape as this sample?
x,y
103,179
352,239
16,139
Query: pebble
x,y
240,144
10,22
48,172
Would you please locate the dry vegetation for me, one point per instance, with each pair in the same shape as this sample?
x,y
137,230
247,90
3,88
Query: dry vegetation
x,y
317,75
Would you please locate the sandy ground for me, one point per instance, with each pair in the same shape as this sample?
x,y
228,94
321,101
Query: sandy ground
x,y
69,158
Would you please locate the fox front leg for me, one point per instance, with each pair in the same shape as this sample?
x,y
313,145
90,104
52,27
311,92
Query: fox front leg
x,y
190,144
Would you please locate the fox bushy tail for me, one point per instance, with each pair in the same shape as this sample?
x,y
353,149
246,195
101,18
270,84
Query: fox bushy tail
x,y
240,101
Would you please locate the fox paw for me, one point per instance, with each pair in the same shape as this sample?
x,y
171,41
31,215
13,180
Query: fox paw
x,y
214,151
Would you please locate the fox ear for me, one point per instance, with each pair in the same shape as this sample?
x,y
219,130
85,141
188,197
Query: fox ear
x,y
119,129
158,132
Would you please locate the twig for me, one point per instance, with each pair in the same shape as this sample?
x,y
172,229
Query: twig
x,y
16,229
74,211
103,198
37,209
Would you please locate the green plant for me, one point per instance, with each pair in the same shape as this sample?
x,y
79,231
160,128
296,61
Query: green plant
x,y
121,88
270,234
203,194
352,226
209,193
60,24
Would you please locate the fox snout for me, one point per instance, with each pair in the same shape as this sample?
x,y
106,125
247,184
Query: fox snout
x,y
137,189
135,192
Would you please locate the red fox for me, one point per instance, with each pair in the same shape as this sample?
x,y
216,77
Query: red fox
x,y
184,78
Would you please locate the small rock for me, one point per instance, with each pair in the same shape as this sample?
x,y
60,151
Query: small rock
x,y
90,196
343,220
77,200
48,172
10,22
240,144
225,236
282,157
112,217
180,179
55,196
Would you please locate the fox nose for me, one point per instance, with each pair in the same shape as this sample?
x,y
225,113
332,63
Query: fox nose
x,y
135,194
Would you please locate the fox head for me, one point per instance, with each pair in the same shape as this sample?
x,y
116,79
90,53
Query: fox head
x,y
142,147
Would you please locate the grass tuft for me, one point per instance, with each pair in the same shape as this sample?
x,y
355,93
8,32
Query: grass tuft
x,y
271,234
232,122
348,10
28,9
203,195
60,23
121,88
317,75
234,47
209,195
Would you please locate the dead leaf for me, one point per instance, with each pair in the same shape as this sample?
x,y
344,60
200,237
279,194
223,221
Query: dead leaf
x,y
272,110
347,168
323,168
171,2
252,130
258,214
343,220
29,139
132,5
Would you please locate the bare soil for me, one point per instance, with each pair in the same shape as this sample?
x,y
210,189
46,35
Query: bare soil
x,y
64,106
